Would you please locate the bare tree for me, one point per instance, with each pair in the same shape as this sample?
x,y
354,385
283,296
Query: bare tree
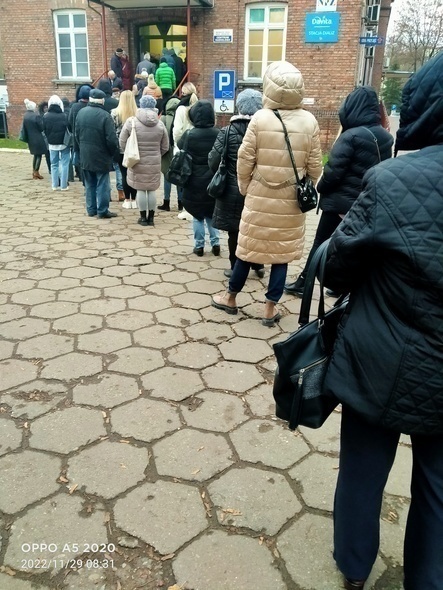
x,y
418,33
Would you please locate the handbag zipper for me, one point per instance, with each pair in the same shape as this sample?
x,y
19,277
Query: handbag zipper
x,y
302,371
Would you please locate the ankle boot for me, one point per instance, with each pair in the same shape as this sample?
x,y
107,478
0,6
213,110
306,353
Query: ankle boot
x,y
151,217
35,175
121,195
180,205
165,206
142,219
297,287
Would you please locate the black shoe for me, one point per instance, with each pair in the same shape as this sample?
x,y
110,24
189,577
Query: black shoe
x,y
108,215
142,221
198,251
331,293
260,272
216,250
354,584
151,217
164,207
228,273
296,288
180,206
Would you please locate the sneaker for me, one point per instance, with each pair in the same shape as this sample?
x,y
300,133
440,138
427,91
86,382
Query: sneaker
x,y
134,204
127,204
185,215
65,189
55,188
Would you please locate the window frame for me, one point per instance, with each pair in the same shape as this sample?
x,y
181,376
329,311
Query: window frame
x,y
71,30
266,26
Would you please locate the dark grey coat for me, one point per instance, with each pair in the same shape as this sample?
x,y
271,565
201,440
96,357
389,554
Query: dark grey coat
x,y
33,126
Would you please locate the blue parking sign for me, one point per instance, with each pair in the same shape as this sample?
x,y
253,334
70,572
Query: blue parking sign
x,y
224,84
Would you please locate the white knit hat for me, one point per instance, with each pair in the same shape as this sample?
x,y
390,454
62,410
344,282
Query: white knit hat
x,y
30,105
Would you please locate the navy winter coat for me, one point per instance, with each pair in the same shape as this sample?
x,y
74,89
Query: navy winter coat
x,y
95,136
387,362
227,212
55,123
355,150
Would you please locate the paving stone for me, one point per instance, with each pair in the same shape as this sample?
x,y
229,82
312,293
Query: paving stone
x,y
85,253
263,441
59,283
124,292
135,419
10,583
109,391
399,480
120,271
78,323
150,303
23,328
261,401
210,333
192,455
203,286
66,430
231,376
178,316
191,300
59,519
33,297
136,360
6,349
98,261
327,438
18,470
165,515
316,477
81,272
228,410
79,294
45,347
104,341
102,307
194,355
71,366
101,282
159,336
16,285
108,469
166,289
62,263
34,399
139,279
308,541
172,383
223,562
394,516
246,498
14,372
245,350
130,320
54,309
10,437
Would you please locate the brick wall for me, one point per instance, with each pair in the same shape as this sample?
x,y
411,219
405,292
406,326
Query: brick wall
x,y
329,69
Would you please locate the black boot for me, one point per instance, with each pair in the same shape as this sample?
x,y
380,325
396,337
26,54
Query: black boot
x,y
151,217
165,206
180,205
142,219
296,288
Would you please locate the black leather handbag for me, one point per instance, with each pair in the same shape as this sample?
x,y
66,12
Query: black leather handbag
x,y
307,195
303,358
217,186
180,168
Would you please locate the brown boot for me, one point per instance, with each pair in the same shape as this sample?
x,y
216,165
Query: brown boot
x,y
38,175
34,175
121,195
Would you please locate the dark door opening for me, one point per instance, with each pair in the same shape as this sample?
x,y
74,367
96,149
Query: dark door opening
x,y
154,38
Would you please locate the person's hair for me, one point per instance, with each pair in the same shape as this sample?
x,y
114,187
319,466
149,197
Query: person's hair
x,y
249,101
163,60
110,73
188,88
127,106
147,56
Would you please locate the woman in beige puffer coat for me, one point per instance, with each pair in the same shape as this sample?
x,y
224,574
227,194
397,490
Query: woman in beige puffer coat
x,y
153,142
272,226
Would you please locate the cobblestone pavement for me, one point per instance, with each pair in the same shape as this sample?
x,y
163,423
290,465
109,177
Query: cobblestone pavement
x,y
138,445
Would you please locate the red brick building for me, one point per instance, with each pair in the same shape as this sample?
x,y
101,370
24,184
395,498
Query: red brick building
x,y
53,46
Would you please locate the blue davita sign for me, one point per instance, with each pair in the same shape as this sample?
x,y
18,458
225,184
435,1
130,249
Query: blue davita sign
x,y
322,27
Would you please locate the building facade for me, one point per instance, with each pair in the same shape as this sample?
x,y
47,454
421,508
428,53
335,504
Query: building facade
x,y
54,46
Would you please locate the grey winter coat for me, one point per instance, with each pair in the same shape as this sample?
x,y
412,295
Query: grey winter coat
x,y
153,142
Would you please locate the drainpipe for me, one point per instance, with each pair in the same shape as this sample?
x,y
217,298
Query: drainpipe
x,y
188,38
103,33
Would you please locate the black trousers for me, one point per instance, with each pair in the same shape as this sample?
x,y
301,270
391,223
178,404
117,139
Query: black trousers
x,y
366,457
326,226
232,247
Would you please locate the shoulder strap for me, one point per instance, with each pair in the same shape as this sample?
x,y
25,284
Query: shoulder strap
x,y
288,143
376,142
225,144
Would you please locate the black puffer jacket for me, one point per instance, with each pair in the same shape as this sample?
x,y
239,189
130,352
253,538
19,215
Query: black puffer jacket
x,y
33,125
355,150
95,136
55,123
199,143
227,212
388,360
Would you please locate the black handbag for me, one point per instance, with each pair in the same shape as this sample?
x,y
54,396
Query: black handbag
x,y
303,358
217,186
67,138
307,195
180,168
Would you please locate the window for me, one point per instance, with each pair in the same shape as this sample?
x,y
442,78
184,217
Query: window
x,y
265,37
373,10
72,44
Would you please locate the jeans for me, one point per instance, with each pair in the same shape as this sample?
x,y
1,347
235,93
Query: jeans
x,y
98,192
60,159
118,176
199,232
366,457
277,278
